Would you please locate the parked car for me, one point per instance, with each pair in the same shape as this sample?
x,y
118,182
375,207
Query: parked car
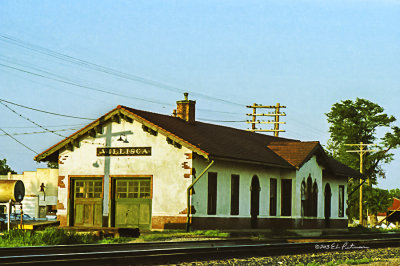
x,y
15,217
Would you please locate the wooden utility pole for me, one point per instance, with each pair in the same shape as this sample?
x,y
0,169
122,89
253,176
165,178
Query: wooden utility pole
x,y
275,115
361,151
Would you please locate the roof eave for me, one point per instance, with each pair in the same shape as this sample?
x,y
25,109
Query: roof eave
x,y
41,157
117,111
310,154
174,137
231,159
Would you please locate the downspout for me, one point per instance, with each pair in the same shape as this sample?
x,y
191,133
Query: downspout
x,y
188,194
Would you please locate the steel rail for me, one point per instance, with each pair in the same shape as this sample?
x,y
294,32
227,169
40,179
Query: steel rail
x,y
175,251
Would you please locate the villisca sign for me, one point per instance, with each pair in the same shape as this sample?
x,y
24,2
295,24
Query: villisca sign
x,y
124,151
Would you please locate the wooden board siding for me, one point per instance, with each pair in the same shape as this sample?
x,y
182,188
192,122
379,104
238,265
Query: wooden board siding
x,y
88,202
132,202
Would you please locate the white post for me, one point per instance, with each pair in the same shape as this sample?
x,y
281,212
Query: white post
x,y
8,215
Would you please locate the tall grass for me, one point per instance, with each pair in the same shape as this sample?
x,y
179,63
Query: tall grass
x,y
167,235
49,236
54,236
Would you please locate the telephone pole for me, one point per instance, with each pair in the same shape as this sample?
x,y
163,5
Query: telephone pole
x,y
276,114
361,152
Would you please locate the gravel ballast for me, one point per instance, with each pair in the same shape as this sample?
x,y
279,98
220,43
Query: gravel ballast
x,y
382,256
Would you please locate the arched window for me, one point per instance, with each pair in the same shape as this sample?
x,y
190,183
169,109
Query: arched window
x,y
327,203
309,201
303,198
255,200
315,199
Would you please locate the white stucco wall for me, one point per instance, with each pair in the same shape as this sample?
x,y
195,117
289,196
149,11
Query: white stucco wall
x,y
314,170
334,184
311,168
224,170
32,181
164,165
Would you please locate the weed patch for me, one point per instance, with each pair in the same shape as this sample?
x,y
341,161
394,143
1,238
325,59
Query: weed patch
x,y
49,236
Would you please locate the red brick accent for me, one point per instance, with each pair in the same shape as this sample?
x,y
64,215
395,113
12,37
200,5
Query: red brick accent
x,y
168,222
62,219
60,181
60,206
186,110
192,210
185,165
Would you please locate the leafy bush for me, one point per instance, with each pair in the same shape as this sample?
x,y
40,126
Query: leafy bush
x,y
49,236
215,233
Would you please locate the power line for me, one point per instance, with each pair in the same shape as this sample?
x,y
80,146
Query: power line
x,y
48,130
26,118
49,126
361,151
48,86
99,90
38,110
222,121
78,85
39,132
104,69
275,115
18,141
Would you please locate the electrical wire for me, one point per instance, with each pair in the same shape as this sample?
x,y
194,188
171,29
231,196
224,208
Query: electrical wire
x,y
18,141
222,121
106,70
75,125
39,132
64,80
79,85
42,127
26,118
46,112
110,71
50,87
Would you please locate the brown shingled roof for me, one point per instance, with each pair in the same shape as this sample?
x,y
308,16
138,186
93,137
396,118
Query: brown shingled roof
x,y
295,153
217,141
298,153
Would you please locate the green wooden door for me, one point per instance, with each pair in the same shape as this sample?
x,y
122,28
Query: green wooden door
x,y
133,203
88,203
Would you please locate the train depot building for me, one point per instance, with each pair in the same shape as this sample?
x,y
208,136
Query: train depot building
x,y
133,168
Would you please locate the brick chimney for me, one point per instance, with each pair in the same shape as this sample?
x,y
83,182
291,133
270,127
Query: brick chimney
x,y
186,109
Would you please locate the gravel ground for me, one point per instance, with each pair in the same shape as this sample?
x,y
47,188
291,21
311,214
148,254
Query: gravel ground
x,y
385,256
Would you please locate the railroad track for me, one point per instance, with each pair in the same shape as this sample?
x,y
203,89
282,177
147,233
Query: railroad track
x,y
173,252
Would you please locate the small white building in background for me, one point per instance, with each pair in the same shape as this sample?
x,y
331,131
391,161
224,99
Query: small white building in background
x,y
41,191
132,168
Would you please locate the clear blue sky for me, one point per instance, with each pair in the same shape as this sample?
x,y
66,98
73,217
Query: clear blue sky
x,y
306,55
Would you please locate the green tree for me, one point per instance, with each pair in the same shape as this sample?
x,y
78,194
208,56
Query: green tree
x,y
4,168
352,122
395,193
377,200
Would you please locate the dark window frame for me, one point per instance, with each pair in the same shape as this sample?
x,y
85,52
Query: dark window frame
x,y
286,197
273,195
341,201
212,193
235,192
315,199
